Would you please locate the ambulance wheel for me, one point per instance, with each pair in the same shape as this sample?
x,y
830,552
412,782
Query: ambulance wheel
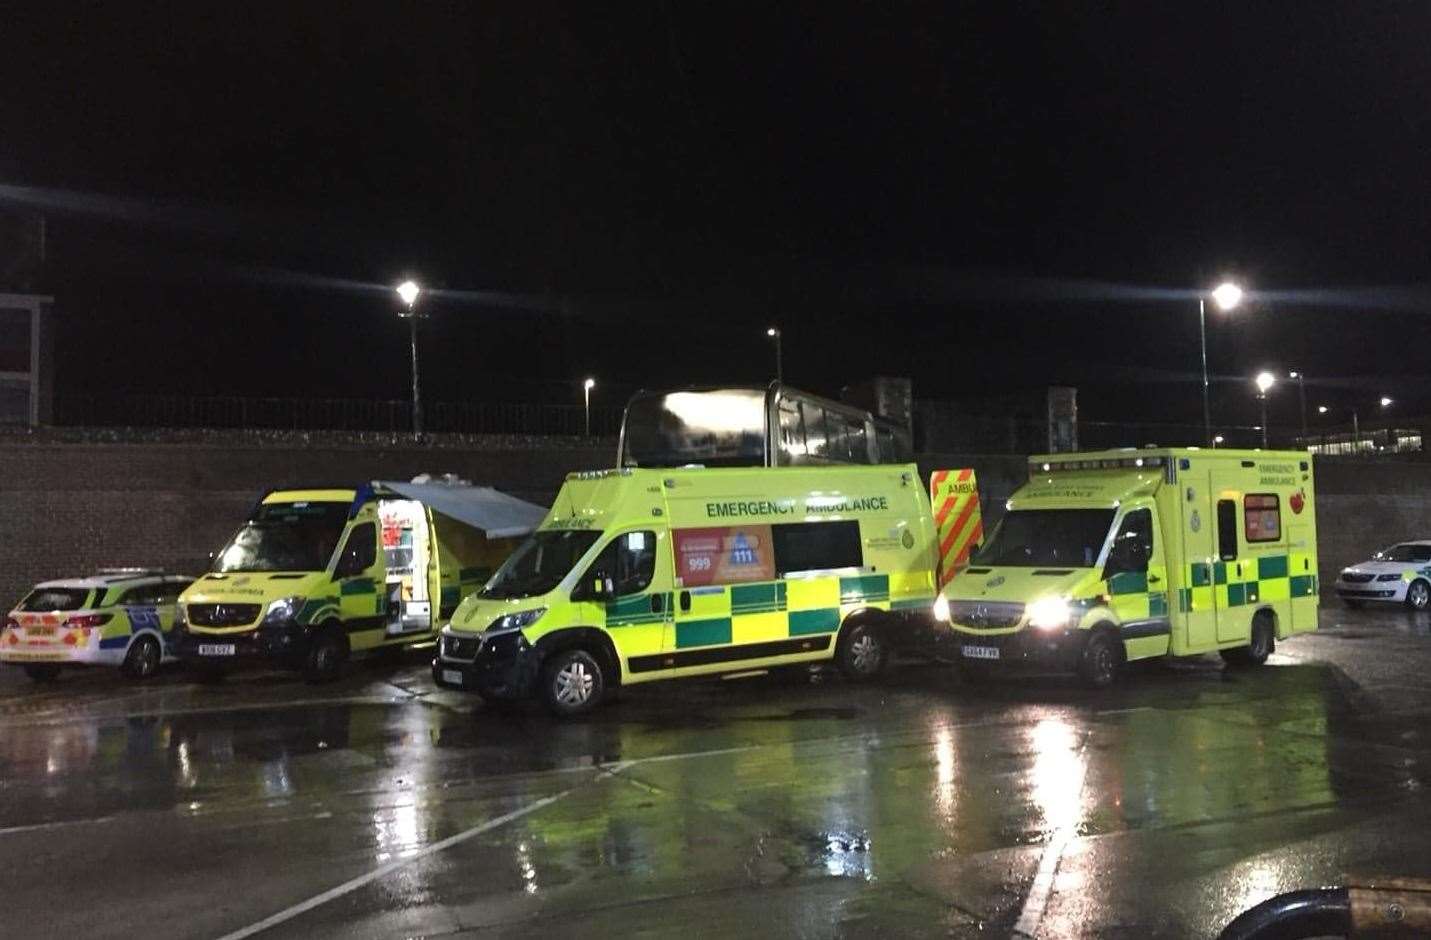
x,y
573,683
1102,658
327,655
143,659
1418,595
42,672
861,653
1261,644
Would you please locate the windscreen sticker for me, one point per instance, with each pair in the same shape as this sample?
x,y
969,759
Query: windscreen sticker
x,y
724,555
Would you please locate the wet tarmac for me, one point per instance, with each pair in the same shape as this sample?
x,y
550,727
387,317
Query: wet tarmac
x,y
781,805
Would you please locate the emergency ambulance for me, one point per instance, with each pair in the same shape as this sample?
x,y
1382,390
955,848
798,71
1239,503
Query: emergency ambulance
x,y
317,574
118,617
640,575
1104,558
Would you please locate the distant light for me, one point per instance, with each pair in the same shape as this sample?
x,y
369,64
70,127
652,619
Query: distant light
x,y
408,291
1265,380
1218,439
589,384
772,332
1294,375
1385,401
1227,295
1321,409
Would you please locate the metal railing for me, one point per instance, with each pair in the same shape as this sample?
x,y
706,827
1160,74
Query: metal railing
x,y
330,414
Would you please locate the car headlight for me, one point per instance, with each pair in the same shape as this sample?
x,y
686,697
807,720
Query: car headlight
x,y
523,618
283,610
1049,613
941,609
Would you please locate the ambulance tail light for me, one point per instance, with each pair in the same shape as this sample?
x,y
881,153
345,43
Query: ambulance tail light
x,y
11,623
88,621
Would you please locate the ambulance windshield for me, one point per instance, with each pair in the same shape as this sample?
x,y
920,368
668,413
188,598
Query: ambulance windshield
x,y
1034,538
297,536
721,428
539,563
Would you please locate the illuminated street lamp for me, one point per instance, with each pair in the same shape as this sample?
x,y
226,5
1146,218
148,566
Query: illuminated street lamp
x,y
1264,381
1227,296
586,388
774,333
407,292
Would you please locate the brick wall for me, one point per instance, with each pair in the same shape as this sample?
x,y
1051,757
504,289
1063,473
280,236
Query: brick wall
x,y
68,507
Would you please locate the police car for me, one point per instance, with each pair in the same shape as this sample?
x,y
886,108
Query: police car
x,y
118,617
1400,574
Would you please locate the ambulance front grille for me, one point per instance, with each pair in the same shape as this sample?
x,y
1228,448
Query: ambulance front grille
x,y
986,615
461,647
222,615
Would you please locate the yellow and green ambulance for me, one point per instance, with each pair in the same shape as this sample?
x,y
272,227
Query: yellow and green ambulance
x,y
1104,558
639,575
119,617
315,575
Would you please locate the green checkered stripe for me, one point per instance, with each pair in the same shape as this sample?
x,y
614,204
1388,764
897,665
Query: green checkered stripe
x,y
1129,583
636,611
1274,581
772,597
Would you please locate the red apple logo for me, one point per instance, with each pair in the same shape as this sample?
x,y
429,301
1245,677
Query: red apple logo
x,y
1297,501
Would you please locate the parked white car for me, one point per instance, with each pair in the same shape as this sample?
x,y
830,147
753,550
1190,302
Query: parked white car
x,y
1400,574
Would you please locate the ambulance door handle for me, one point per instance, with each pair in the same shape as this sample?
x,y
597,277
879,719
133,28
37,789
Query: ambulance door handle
x,y
1154,579
685,602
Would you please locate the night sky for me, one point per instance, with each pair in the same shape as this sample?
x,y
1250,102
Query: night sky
x,y
980,196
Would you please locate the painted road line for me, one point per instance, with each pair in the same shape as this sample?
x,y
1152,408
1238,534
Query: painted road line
x,y
1037,901
348,887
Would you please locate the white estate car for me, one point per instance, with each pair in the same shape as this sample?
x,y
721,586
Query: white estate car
x,y
1400,574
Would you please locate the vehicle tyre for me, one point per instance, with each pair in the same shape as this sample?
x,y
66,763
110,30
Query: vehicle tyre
x,y
573,682
1261,644
143,659
1418,595
42,672
1101,659
861,653
327,655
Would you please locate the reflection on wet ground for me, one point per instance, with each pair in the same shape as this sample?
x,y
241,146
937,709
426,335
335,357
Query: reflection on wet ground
x,y
380,806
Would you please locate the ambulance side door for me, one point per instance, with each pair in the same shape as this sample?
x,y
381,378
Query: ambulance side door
x,y
1196,609
358,579
1138,581
630,580
1234,568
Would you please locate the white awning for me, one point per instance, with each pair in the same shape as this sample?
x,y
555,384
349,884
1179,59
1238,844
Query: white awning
x,y
498,515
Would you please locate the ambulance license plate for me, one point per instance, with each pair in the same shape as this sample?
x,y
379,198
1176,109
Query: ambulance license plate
x,y
981,652
452,675
217,649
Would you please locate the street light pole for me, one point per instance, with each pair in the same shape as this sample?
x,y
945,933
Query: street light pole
x,y
1227,295
1265,381
586,388
1301,378
1202,333
408,292
774,333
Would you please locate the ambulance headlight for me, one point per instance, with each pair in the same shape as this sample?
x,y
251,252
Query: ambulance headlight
x,y
284,610
523,618
941,609
1049,613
